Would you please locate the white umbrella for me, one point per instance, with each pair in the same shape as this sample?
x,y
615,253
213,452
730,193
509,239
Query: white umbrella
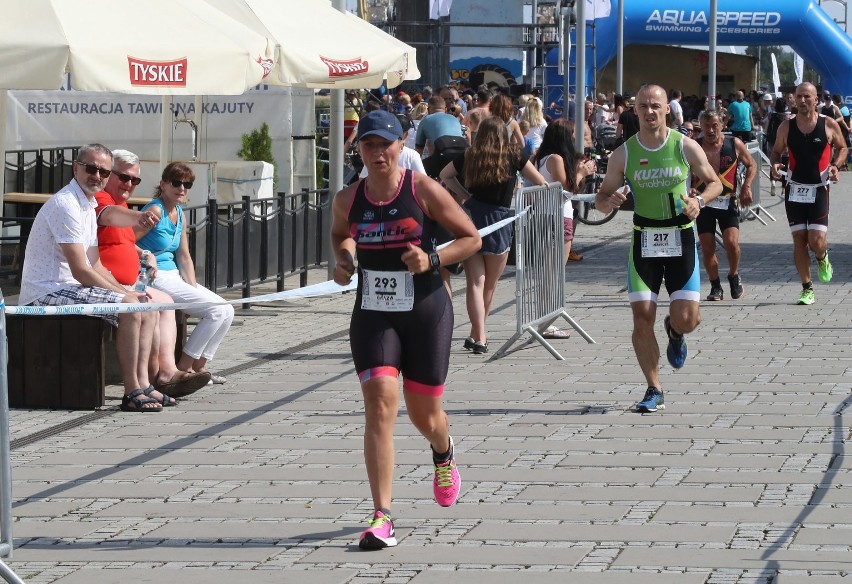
x,y
322,47
158,47
192,47
154,47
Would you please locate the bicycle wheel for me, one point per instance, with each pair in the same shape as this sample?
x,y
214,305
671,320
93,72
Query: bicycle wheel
x,y
587,213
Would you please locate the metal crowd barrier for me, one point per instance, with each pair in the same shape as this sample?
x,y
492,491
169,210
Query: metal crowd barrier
x,y
759,158
540,265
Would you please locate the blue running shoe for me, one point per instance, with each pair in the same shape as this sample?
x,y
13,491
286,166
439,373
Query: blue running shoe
x,y
676,351
652,401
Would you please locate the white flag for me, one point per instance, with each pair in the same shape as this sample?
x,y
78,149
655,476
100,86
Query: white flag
x,y
798,68
776,79
439,8
597,9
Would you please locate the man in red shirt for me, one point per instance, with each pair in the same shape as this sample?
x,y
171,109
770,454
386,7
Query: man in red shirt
x,y
120,255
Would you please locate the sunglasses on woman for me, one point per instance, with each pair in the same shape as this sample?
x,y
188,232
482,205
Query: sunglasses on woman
x,y
187,184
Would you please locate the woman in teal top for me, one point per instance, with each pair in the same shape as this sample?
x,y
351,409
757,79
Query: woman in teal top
x,y
167,240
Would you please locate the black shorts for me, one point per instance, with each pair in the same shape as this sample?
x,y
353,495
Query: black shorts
x,y
483,214
802,216
415,343
710,216
645,276
745,135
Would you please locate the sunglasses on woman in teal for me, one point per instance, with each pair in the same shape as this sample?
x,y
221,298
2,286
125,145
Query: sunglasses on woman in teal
x,y
187,184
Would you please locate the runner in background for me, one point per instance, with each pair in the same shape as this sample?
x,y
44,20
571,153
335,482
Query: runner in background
x,y
725,154
808,139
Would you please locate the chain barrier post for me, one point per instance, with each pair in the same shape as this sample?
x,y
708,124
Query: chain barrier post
x,y
6,540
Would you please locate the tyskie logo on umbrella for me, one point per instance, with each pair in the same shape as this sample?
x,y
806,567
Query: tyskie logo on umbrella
x,y
267,65
338,68
157,73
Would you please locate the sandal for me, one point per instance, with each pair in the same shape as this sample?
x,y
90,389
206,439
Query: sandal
x,y
215,379
552,332
139,402
166,402
468,343
480,347
186,384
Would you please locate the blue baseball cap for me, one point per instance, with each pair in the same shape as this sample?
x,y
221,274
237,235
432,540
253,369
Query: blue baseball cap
x,y
380,123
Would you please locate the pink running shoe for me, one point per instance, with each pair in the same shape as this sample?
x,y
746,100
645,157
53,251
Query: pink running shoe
x,y
447,482
380,534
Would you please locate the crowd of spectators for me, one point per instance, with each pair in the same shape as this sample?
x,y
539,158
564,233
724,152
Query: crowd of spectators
x,y
442,122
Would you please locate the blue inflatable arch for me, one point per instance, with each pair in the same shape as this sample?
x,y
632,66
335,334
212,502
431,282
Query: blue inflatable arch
x,y
801,24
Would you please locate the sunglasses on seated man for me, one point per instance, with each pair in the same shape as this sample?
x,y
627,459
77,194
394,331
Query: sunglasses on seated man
x,y
134,180
93,168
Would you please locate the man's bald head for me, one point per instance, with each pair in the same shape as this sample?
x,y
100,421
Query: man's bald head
x,y
652,105
806,99
806,87
651,90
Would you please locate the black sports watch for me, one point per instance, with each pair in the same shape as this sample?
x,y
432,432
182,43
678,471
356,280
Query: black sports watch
x,y
434,260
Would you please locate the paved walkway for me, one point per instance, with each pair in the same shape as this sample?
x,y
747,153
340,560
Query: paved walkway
x,y
743,479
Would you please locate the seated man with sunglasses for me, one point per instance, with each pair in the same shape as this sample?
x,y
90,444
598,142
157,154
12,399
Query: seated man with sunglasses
x,y
122,257
62,266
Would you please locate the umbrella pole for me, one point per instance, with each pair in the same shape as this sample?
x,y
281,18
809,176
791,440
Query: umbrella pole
x,y
335,158
165,132
335,147
4,100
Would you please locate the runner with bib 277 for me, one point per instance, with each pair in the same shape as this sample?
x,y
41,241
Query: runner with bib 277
x,y
656,163
809,139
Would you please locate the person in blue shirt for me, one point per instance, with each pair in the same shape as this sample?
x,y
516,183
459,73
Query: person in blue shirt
x,y
741,118
529,149
437,124
168,241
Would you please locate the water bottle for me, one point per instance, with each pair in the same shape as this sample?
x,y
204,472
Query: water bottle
x,y
142,280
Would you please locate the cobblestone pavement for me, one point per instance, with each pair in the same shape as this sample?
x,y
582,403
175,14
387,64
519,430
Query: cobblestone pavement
x,y
745,478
